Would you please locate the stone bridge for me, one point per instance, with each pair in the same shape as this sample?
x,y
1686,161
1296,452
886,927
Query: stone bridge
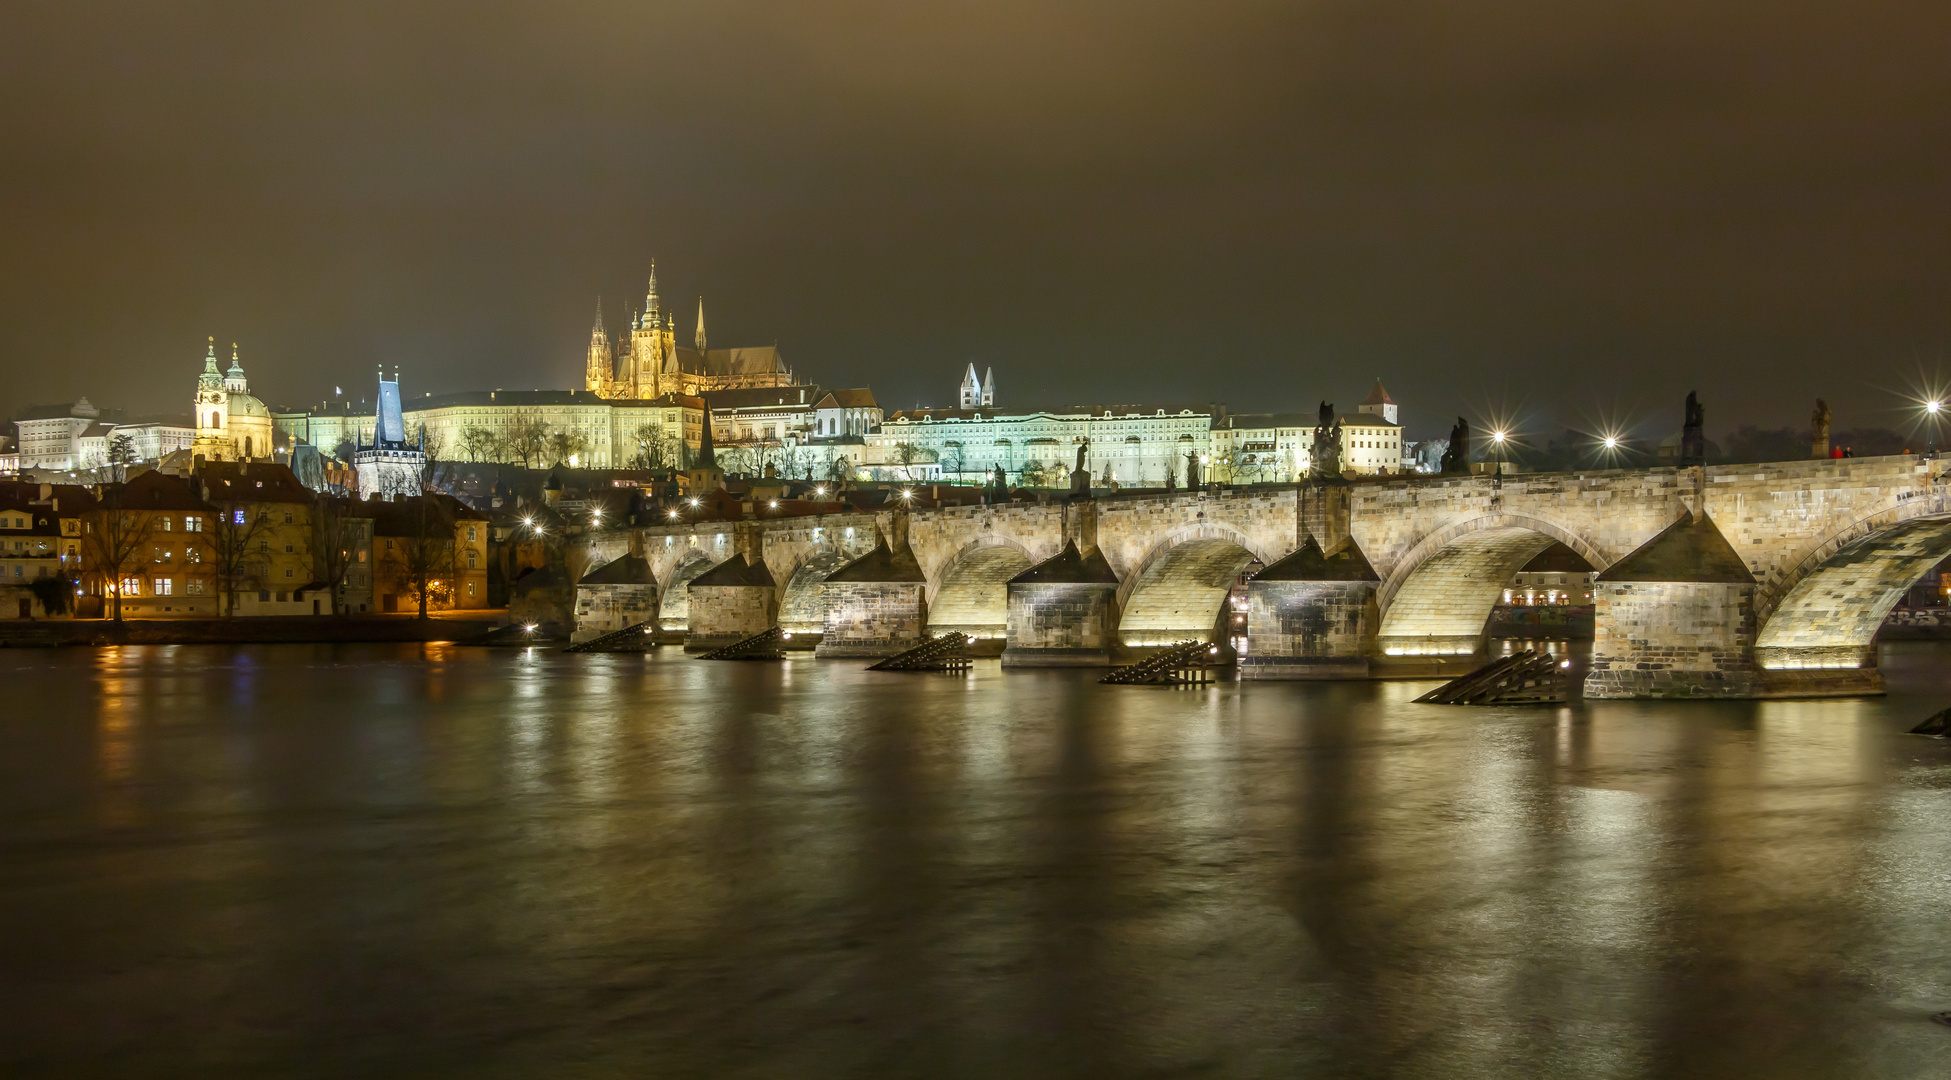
x,y
1730,581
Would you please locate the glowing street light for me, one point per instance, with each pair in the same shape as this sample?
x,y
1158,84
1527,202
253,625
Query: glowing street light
x,y
772,504
1612,442
820,491
673,515
1931,409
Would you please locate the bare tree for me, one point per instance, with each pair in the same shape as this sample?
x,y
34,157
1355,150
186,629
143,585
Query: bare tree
x,y
478,443
526,440
239,548
655,448
905,455
115,536
561,446
336,535
425,567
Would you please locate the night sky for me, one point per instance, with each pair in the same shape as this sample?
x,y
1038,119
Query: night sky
x,y
1557,211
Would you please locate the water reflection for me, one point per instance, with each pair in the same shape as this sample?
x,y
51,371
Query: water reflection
x,y
424,859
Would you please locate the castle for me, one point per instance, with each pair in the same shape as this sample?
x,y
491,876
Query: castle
x,y
646,362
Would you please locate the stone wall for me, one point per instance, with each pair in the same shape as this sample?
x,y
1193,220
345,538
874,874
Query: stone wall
x,y
1061,624
1309,629
872,618
602,609
1672,640
723,614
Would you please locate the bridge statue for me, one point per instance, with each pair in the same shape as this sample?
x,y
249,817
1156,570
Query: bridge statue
x,y
1456,459
1192,470
1080,477
1693,437
1324,458
1819,431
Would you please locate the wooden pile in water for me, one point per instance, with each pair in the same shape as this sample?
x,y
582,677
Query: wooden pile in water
x,y
1525,678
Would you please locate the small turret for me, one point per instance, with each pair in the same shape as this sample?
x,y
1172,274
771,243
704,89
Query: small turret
x,y
234,380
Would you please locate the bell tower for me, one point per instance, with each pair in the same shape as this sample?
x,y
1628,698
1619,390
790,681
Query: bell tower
x,y
212,410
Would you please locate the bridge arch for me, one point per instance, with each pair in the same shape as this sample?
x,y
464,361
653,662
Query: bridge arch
x,y
1177,590
673,598
1830,609
802,606
971,591
1438,597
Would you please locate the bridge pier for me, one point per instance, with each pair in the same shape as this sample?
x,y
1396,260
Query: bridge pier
x,y
876,605
1675,619
1063,612
1311,616
733,600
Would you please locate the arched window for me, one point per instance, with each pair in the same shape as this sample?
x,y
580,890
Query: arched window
x,y
247,446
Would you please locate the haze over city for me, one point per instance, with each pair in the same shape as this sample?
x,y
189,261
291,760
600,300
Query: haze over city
x,y
1528,209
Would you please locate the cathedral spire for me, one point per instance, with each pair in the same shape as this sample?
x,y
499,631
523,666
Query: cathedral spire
x,y
701,325
210,359
598,332
650,296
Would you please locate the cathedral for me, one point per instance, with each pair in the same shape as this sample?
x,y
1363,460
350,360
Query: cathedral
x,y
644,361
231,423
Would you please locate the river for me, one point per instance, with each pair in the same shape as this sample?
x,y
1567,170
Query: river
x,y
429,861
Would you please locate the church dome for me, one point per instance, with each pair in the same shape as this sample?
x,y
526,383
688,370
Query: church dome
x,y
248,405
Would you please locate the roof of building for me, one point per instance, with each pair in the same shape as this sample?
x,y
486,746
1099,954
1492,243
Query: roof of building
x,y
1689,550
1258,421
153,491
926,414
76,499
759,360
763,397
1373,420
858,397
43,412
1378,396
532,399
242,481
624,570
397,518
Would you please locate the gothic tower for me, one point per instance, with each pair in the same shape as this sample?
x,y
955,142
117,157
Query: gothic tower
x,y
647,346
701,329
988,388
971,394
600,378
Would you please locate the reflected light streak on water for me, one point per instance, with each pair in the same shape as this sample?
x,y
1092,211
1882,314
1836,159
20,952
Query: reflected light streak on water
x,y
427,860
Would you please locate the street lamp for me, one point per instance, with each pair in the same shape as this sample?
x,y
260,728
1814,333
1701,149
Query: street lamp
x,y
1497,439
1931,409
